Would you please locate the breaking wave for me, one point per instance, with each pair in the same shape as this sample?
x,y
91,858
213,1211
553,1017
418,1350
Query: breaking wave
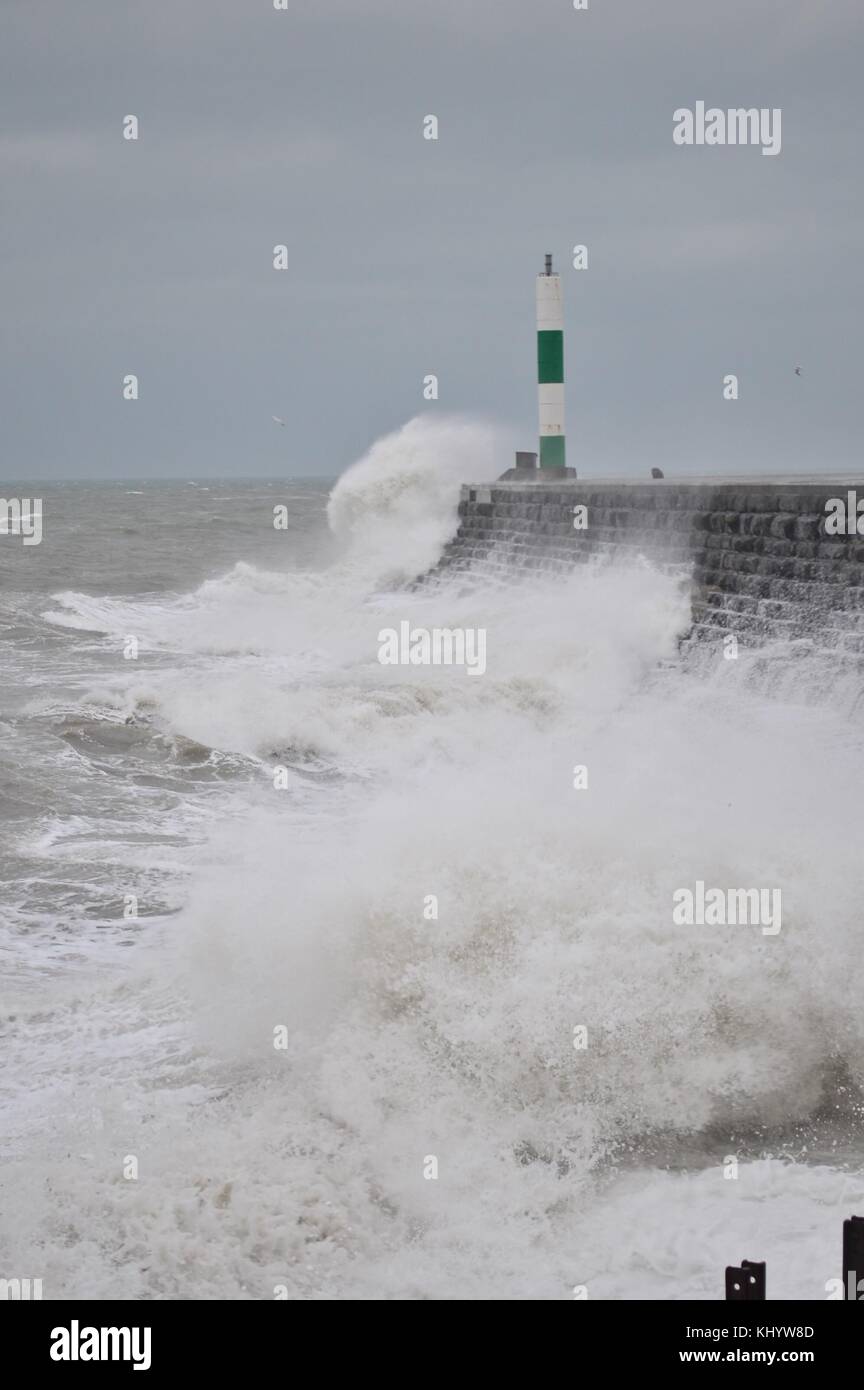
x,y
424,913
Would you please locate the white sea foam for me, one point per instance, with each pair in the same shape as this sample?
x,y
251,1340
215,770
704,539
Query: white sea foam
x,y
396,507
410,1037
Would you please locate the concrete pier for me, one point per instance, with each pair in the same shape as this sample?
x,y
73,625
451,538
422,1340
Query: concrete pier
x,y
755,550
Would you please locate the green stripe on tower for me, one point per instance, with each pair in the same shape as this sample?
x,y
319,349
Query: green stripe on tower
x,y
550,355
552,451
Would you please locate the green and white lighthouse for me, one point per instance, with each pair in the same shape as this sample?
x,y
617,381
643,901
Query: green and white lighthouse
x,y
550,369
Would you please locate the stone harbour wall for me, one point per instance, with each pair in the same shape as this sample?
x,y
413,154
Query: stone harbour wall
x,y
755,552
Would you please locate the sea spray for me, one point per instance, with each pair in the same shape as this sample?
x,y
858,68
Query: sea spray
x,y
396,507
410,1037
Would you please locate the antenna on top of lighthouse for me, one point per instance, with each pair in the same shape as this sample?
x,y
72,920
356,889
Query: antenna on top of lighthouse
x,y
548,270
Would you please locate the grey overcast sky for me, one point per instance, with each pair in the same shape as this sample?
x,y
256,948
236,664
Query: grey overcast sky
x,y
408,256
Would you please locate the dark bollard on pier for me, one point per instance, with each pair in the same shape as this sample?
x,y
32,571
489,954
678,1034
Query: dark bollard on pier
x,y
853,1259
745,1283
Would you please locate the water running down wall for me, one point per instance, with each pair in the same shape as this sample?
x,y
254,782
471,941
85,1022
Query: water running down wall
x,y
754,551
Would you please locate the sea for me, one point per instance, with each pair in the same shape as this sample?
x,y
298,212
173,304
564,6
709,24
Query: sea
x,y
328,979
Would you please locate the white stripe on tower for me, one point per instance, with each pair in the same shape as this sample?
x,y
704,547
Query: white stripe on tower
x,y
550,367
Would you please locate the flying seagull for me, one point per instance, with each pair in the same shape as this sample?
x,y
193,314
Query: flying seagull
x,y
797,371
276,418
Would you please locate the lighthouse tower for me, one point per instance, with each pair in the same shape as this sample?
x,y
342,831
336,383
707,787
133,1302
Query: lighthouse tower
x,y
550,370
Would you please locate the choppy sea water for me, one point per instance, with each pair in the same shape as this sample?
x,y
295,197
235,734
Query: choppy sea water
x,y
146,785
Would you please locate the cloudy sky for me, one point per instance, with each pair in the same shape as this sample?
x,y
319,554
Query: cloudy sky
x,y
406,256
